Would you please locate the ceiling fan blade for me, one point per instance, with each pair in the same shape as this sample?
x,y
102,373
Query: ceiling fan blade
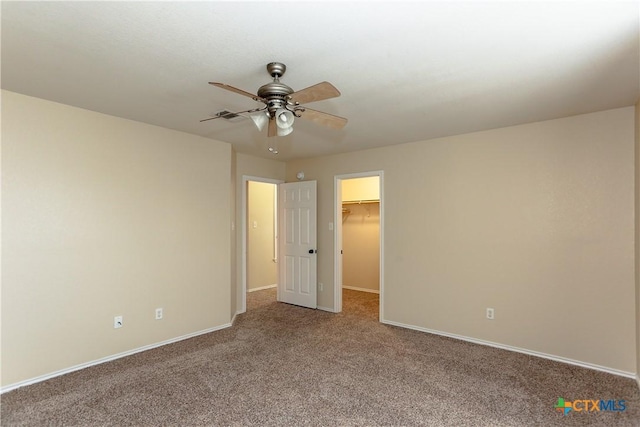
x,y
321,118
236,90
273,128
253,110
318,92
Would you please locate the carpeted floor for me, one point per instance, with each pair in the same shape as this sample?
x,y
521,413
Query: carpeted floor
x,y
290,366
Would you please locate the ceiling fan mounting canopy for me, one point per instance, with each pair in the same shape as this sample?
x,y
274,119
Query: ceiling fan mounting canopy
x,y
283,102
276,69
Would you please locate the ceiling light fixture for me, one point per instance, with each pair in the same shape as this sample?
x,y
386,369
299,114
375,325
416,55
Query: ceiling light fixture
x,y
282,104
284,122
261,118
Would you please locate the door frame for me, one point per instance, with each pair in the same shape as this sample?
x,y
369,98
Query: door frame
x,y
243,227
337,237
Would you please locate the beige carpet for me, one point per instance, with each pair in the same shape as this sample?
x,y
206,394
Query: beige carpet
x,y
286,365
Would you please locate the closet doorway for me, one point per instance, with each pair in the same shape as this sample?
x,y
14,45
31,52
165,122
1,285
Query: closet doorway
x,y
359,236
259,236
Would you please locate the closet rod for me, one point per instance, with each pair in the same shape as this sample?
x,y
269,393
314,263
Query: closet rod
x,y
359,202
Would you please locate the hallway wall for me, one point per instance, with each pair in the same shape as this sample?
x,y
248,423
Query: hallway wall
x,y
262,270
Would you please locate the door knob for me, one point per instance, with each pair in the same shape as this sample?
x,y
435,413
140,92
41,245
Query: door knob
x,y
312,251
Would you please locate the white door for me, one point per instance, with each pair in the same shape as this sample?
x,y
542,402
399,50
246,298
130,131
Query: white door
x,y
297,241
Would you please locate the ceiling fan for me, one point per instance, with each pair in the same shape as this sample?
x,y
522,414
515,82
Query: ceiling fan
x,y
282,104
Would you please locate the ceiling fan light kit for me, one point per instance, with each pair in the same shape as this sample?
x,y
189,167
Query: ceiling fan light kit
x,y
260,119
284,122
283,104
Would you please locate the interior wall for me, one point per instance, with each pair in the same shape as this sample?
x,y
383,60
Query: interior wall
x,y
102,217
358,189
262,270
535,221
361,246
247,165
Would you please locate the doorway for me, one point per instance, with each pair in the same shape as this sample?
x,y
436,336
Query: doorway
x,y
259,236
359,231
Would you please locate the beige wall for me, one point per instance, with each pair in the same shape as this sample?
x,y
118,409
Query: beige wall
x,y
361,245
536,221
358,189
247,165
261,269
102,217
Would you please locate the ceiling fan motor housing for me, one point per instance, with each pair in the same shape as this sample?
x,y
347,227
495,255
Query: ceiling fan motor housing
x,y
275,93
274,89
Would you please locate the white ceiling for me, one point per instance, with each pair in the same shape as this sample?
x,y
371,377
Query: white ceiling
x,y
408,71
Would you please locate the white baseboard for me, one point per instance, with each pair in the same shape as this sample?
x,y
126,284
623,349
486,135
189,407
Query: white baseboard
x,y
109,359
330,310
518,350
354,288
638,380
263,288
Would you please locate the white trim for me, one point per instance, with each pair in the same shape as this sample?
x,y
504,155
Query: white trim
x,y
638,380
355,288
337,235
337,247
330,310
262,288
243,228
233,320
110,358
275,227
382,221
516,349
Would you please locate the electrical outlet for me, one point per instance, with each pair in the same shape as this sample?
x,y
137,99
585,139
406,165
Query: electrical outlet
x,y
320,287
158,313
117,322
490,314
